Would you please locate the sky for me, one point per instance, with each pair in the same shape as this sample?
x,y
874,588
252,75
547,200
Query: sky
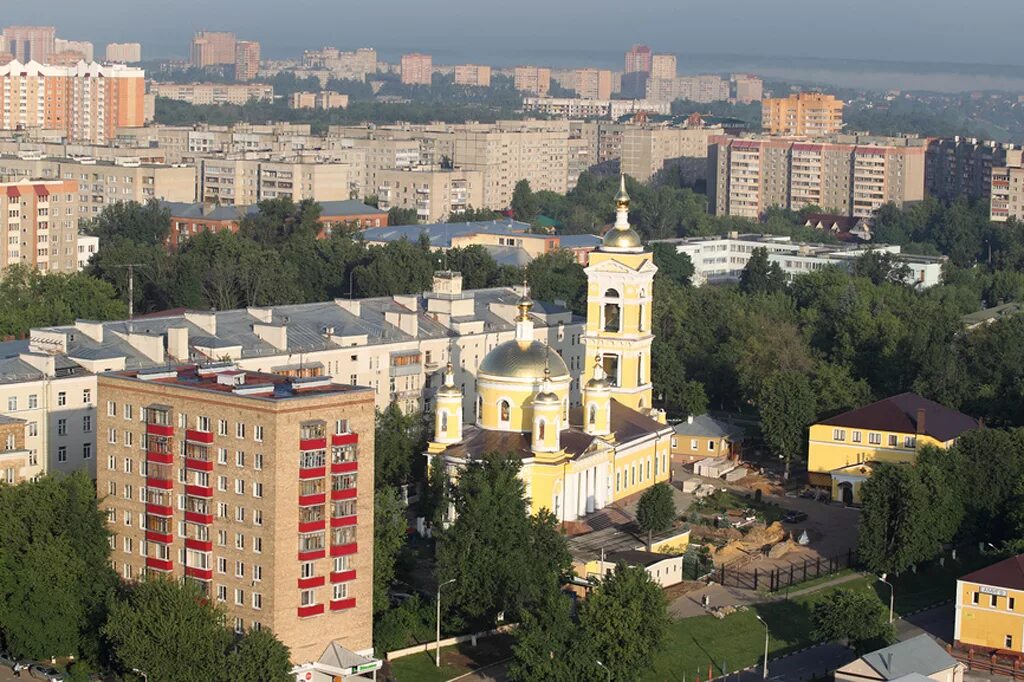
x,y
562,32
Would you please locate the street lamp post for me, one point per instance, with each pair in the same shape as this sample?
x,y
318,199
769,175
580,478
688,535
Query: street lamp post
x,y
437,648
764,669
892,594
605,669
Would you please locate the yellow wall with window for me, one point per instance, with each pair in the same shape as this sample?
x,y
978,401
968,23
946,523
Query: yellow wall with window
x,y
991,620
832,447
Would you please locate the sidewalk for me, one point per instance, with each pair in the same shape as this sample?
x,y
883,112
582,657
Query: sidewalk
x,y
689,604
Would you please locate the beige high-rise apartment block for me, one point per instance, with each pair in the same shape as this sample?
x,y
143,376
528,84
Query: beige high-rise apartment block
x,y
41,224
663,66
213,93
806,113
845,174
417,69
1008,190
124,53
638,59
436,195
87,102
247,59
256,487
748,88
649,149
474,75
319,100
244,182
535,80
30,43
593,83
82,47
212,48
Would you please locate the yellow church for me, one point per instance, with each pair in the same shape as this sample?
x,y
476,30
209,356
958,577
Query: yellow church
x,y
575,460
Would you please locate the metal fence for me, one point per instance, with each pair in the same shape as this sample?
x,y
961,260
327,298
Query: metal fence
x,y
775,578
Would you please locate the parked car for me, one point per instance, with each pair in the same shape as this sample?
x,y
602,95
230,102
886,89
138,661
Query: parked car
x,y
7,659
794,516
41,671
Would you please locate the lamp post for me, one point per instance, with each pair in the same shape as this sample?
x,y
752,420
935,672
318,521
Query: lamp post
x,y
892,594
145,677
605,669
764,669
437,648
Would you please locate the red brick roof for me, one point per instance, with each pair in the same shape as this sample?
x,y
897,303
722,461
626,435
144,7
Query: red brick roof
x,y
900,412
1008,573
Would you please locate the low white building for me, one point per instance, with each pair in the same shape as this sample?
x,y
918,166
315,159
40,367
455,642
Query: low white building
x,y
664,569
87,246
721,259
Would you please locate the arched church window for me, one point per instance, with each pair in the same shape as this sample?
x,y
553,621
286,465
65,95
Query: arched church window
x,y
540,429
612,312
593,414
479,406
444,421
640,320
504,411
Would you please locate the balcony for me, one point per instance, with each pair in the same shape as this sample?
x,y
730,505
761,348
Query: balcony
x,y
312,610
342,604
204,437
163,565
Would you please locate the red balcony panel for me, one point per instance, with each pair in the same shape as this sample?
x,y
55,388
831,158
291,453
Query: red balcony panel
x,y
310,526
159,457
196,517
349,494
159,564
199,490
307,500
200,573
199,545
314,610
316,472
342,550
342,604
159,510
199,436
153,536
342,521
198,464
159,430
315,581
345,439
343,576
313,444
344,467
310,556
162,483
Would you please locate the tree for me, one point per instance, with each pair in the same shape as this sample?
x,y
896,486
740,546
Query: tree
x,y
896,530
858,618
147,223
402,216
656,510
623,623
501,559
261,657
786,404
29,298
435,498
881,267
170,630
556,276
546,643
389,532
399,267
398,440
760,276
524,204
672,265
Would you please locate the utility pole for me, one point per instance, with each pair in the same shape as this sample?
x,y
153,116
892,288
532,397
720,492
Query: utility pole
x,y
131,285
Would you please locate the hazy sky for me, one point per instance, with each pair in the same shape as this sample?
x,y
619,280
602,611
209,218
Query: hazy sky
x,y
980,31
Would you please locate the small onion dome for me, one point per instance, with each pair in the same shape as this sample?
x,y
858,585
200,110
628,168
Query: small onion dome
x,y
599,380
622,239
449,388
546,395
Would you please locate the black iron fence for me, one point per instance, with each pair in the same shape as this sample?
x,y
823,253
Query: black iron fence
x,y
779,577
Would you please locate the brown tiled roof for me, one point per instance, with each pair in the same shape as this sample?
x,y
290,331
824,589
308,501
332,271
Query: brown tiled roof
x,y
627,423
899,413
1008,573
478,442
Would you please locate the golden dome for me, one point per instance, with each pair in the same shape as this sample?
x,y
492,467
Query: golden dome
x,y
523,360
546,396
621,198
621,239
598,381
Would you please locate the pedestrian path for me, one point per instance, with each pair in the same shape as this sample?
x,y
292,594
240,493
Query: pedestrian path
x,y
690,604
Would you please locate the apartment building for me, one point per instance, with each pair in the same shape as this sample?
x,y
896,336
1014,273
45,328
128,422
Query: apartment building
x,y
212,48
962,166
88,246
256,487
534,80
746,88
844,174
345,65
324,99
41,224
249,181
213,93
638,59
84,48
569,107
810,114
721,259
648,149
663,67
101,183
124,53
94,100
182,144
13,455
593,84
1007,196
417,69
30,43
473,75
435,194
247,59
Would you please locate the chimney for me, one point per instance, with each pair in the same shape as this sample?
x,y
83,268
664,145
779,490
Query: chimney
x,y
177,343
920,420
207,321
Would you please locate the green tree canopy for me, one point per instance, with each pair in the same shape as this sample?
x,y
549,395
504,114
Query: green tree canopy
x,y
389,532
398,443
896,530
524,203
854,617
760,276
147,224
656,510
787,406
556,276
261,657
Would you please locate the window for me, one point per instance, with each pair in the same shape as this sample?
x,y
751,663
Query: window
x,y
222,538
87,424
341,563
239,569
112,436
62,427
894,440
222,592
257,489
257,545
617,475
127,411
257,573
62,399
711,446
504,411
341,426
340,591
222,565
257,600
240,514
222,427
62,454
203,424
909,441
87,395
307,569
612,317
129,439
240,458
1009,641
839,434
33,429
33,401
307,598
239,430
257,461
257,434
86,450
855,436
222,456
111,408
222,483
239,597
1010,603
874,439
239,486
12,404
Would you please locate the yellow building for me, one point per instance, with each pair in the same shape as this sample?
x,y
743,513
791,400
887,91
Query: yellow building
x,y
576,459
841,449
990,607
807,113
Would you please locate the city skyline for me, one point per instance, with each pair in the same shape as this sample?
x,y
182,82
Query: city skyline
x,y
755,31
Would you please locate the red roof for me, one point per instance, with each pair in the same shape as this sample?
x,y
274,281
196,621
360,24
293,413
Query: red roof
x,y
41,190
1008,573
13,192
900,413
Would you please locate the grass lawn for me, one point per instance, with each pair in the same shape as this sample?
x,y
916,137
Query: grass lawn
x,y
455,660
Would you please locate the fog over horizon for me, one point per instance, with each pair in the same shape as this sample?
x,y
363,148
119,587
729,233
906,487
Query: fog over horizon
x,y
565,33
